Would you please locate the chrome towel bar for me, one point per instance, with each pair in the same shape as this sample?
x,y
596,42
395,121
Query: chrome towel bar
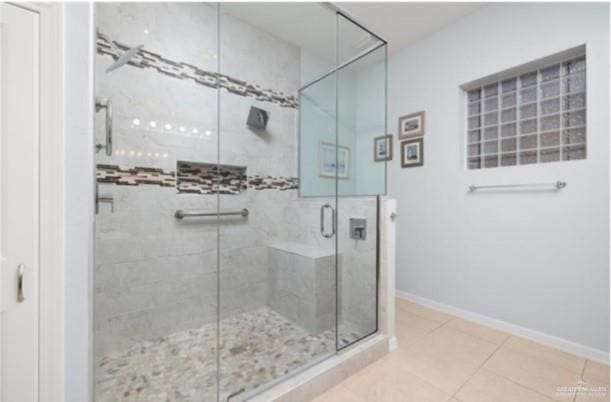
x,y
558,185
180,214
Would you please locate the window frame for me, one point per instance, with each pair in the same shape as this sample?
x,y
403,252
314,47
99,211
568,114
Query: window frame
x,y
559,150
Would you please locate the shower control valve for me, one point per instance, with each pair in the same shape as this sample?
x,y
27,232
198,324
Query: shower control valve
x,y
358,228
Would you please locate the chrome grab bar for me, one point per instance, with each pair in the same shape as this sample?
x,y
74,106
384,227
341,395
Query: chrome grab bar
x,y
103,103
557,185
322,221
180,214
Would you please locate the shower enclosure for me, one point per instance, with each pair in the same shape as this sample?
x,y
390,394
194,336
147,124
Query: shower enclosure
x,y
237,195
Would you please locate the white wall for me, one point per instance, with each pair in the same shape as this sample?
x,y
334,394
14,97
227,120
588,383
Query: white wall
x,y
536,260
79,196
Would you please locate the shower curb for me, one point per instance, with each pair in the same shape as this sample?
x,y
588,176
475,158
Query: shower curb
x,y
314,381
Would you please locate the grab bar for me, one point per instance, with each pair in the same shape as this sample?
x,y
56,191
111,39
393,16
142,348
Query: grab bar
x,y
180,214
103,103
557,185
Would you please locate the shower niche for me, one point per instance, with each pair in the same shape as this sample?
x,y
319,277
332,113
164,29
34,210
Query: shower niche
x,y
208,178
221,304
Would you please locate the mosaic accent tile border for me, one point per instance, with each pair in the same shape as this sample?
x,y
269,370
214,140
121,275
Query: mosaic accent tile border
x,y
181,70
257,182
134,176
194,178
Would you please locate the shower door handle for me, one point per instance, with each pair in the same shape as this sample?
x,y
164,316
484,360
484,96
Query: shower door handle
x,y
103,103
322,221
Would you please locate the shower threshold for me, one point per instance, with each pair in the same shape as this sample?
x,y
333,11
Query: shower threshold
x,y
256,348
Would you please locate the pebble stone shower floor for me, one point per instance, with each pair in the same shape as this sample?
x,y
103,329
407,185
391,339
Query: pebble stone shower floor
x,y
256,347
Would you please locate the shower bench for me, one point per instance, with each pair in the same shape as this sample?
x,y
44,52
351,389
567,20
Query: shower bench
x,y
302,284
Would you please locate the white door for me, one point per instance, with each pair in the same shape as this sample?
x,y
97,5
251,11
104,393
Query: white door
x,y
19,228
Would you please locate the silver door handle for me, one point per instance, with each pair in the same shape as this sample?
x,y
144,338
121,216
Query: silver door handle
x,y
103,103
20,273
322,221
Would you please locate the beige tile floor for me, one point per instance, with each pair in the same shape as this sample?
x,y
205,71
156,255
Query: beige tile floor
x,y
444,358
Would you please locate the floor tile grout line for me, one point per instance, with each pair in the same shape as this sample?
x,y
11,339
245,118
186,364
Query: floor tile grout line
x,y
480,367
427,308
522,385
583,372
452,318
479,337
517,383
426,380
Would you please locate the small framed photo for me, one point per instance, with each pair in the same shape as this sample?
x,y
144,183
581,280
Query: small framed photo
x,y
411,125
327,166
382,148
412,153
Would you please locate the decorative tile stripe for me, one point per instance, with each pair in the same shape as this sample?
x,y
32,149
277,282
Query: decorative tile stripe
x,y
194,178
134,176
180,70
204,178
257,182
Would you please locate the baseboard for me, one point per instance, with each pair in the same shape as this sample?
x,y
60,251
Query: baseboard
x,y
546,339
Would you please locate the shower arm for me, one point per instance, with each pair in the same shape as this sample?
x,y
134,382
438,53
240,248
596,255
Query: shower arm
x,y
103,103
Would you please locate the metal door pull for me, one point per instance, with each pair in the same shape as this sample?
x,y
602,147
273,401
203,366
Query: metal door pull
x,y
20,273
322,221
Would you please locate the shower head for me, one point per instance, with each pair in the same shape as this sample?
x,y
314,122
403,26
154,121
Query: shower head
x,y
257,118
123,56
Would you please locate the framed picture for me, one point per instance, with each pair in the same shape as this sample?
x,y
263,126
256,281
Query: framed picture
x,y
411,125
412,153
382,148
327,166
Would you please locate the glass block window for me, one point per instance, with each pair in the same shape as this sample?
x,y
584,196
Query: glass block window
x,y
535,117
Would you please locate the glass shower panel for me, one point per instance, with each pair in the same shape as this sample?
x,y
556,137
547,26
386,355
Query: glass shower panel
x,y
155,278
361,130
361,121
317,140
277,273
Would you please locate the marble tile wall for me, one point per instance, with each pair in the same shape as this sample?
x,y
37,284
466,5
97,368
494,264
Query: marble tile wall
x,y
155,275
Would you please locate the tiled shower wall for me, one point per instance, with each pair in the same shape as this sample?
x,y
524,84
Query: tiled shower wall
x,y
155,275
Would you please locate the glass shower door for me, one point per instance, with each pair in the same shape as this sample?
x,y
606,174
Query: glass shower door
x,y
343,154
277,272
156,277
